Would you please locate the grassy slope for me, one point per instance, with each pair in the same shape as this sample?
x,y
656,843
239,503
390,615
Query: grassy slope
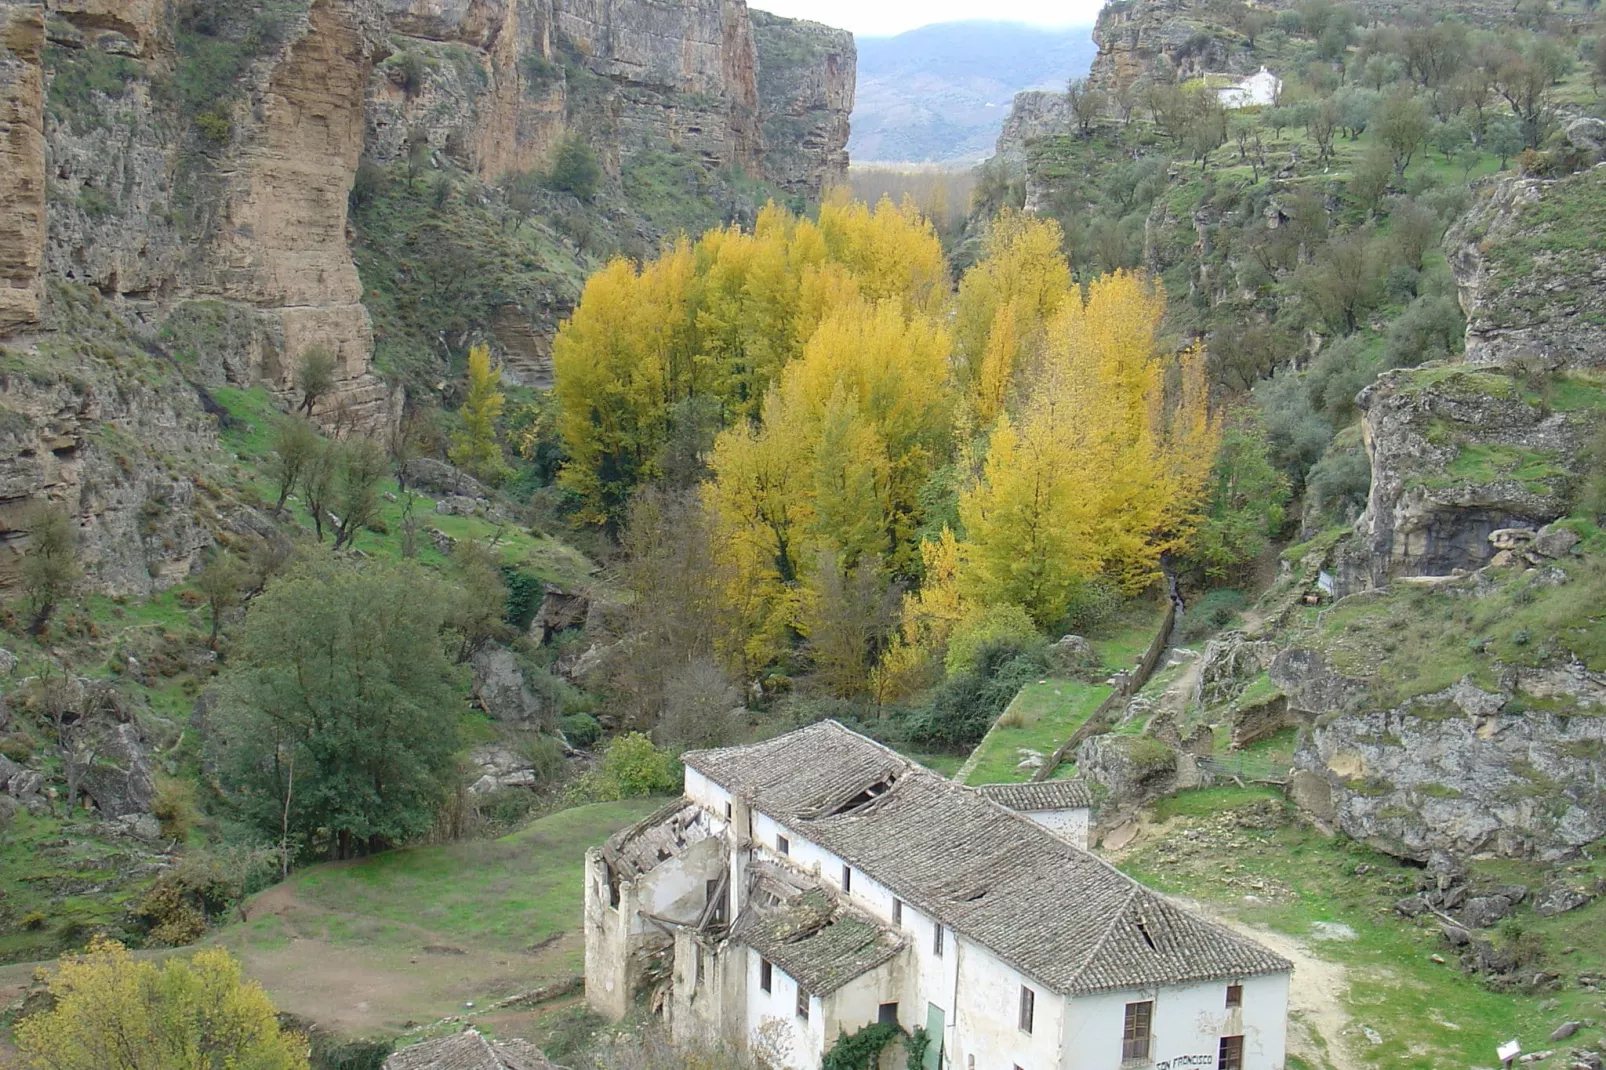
x,y
1045,714
1289,878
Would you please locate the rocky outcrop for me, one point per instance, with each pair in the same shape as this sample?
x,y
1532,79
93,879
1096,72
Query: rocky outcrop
x,y
502,691
493,84
1165,40
121,782
1465,771
1532,278
22,162
807,75
1035,113
1458,453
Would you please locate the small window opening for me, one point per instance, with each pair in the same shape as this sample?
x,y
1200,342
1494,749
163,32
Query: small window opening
x,y
783,845
766,975
728,811
802,1003
936,940
1028,1008
847,878
1235,995
887,1014
897,913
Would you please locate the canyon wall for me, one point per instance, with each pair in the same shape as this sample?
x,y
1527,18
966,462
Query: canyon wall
x,y
183,171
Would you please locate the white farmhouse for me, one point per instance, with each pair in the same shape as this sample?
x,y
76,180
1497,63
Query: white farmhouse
x,y
818,882
1062,806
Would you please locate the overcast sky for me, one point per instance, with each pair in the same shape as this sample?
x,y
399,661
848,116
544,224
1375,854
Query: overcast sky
x,y
886,17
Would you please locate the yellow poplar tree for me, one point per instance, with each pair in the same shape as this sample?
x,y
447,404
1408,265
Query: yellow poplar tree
x,y
1006,299
1106,468
475,447
113,1012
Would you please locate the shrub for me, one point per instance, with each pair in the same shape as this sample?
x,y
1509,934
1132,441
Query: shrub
x,y
545,755
962,708
575,168
580,729
216,124
176,809
1006,624
539,72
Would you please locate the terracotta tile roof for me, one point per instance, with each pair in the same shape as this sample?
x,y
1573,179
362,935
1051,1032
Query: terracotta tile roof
x,y
1057,914
818,941
1046,795
468,1050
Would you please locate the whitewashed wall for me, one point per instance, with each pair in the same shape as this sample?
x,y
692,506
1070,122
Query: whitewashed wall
x,y
772,1016
1071,824
988,1030
1189,1022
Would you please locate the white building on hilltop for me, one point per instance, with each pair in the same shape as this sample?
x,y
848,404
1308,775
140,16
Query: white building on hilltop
x,y
818,882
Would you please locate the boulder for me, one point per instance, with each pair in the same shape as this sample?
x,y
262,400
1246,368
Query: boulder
x,y
457,505
140,826
1559,898
501,689
1312,793
1553,541
1482,911
122,780
1071,653
443,480
1586,134
8,662
1511,538
1229,664
8,769
560,610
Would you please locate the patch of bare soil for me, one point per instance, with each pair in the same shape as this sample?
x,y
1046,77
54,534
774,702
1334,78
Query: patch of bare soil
x,y
314,963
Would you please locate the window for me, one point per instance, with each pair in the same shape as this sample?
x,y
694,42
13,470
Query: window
x,y
802,1003
783,845
936,940
847,878
887,1014
698,980
1231,1055
1135,1034
1235,995
718,900
897,913
728,811
766,975
1028,1008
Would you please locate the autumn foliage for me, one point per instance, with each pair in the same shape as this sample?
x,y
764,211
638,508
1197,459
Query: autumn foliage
x,y
113,1012
976,455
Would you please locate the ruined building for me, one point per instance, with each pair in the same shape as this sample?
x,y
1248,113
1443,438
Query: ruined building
x,y
810,885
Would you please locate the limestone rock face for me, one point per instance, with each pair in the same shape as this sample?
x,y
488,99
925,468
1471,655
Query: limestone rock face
x,y
807,74
1456,772
22,162
1173,40
1035,113
1532,282
122,781
1458,453
494,84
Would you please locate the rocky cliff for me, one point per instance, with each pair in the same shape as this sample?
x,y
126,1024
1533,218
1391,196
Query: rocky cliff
x,y
1165,40
187,169
494,84
1531,271
1035,113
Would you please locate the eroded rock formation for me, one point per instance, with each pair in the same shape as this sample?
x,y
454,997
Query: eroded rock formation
x,y
22,162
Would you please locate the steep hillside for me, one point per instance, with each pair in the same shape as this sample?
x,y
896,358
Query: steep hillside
x,y
937,94
207,208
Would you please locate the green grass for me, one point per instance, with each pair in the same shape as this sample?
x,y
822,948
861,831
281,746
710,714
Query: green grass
x,y
497,895
1429,1015
79,882
1412,641
1485,463
1048,713
1121,642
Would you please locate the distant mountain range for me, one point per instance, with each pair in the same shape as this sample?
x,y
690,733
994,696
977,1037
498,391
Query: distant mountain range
x,y
939,94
